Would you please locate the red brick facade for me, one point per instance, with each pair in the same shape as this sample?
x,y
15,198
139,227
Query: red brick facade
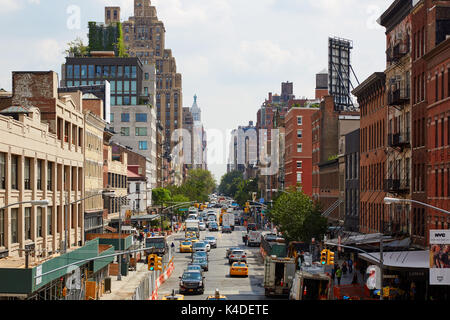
x,y
299,164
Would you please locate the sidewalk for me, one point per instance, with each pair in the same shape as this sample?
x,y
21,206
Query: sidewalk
x,y
126,288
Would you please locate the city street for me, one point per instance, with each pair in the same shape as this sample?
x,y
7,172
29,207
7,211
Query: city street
x,y
217,277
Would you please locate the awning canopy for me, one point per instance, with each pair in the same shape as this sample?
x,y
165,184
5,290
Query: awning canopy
x,y
361,239
111,229
400,259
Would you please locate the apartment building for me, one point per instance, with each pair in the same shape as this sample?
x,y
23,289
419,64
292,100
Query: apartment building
x,y
298,148
93,163
41,157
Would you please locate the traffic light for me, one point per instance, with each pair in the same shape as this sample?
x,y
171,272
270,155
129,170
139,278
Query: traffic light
x,y
151,262
324,256
330,257
159,265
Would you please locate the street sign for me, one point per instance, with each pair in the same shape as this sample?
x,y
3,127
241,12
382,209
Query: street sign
x,y
184,209
261,200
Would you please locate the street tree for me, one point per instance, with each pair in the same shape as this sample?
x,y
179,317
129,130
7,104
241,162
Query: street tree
x,y
297,217
198,186
161,196
229,183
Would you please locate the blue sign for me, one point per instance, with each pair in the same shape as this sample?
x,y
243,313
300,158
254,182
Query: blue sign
x,y
261,200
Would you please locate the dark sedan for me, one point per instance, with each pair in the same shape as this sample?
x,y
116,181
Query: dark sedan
x,y
192,281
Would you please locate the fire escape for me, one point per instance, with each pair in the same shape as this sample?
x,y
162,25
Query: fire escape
x,y
397,181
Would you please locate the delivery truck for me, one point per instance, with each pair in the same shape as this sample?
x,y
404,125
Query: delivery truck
x,y
279,274
254,238
228,220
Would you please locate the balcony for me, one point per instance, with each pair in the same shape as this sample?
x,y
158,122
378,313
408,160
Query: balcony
x,y
399,140
396,186
398,51
399,96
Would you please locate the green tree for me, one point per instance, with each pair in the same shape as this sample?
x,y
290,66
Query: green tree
x,y
245,190
229,183
297,217
198,186
161,196
77,48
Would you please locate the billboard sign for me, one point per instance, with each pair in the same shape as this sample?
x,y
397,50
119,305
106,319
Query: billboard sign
x,y
439,257
339,51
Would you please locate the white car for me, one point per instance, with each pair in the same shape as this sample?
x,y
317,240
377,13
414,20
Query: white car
x,y
202,226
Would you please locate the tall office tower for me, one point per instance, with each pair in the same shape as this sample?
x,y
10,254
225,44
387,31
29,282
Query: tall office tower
x,y
144,37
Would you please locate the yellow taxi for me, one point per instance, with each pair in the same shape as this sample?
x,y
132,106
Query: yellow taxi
x,y
239,269
173,296
190,235
194,240
217,296
186,247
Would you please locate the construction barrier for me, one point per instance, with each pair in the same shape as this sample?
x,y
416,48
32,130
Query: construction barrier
x,y
161,279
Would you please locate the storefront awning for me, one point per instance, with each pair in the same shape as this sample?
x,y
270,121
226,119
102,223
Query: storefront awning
x,y
110,229
400,259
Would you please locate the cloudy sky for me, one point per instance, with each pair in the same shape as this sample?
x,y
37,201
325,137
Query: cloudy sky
x,y
231,53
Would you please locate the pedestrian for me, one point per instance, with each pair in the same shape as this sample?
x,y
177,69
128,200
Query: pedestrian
x,y
350,265
344,267
339,275
355,278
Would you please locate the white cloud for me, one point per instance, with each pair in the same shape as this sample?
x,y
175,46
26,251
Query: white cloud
x,y
8,6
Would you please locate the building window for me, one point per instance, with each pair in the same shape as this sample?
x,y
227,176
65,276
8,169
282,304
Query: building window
x,y
27,223
300,121
143,145
39,222
14,225
299,134
113,71
125,132
39,175
111,117
2,228
125,117
126,87
141,117
299,177
146,77
127,73
146,91
69,71
299,147
49,176
299,164
14,172
84,71
76,72
2,170
141,132
126,100
49,221
27,174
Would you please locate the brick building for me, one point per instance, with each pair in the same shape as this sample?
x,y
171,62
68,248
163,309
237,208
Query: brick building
x,y
328,128
298,148
372,103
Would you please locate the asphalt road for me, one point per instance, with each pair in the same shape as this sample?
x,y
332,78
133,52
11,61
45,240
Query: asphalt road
x,y
235,288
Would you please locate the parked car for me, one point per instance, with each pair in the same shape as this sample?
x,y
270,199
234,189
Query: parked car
x,y
237,255
202,226
226,229
212,241
192,281
213,226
